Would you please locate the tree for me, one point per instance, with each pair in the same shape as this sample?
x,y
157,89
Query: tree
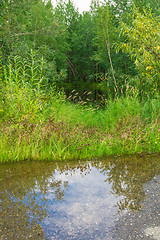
x,y
143,44
33,25
104,31
116,67
82,48
149,5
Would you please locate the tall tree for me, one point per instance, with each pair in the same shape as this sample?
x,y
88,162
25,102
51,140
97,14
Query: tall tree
x,y
143,44
32,25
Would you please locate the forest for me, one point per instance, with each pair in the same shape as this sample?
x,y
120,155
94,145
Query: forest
x,y
79,85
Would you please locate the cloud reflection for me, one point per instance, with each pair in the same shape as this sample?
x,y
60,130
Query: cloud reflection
x,y
88,204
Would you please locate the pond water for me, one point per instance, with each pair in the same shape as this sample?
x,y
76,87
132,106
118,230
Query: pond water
x,y
114,198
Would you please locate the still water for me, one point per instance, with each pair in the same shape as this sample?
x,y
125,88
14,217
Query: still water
x,y
114,198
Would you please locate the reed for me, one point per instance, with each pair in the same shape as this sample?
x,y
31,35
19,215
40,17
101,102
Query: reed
x,y
37,123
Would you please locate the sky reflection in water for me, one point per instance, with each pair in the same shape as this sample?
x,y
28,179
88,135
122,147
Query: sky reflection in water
x,y
76,200
87,206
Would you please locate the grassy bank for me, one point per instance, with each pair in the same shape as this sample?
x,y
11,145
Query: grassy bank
x,y
40,124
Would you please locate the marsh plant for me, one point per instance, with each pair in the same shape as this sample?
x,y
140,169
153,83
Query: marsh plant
x,y
39,123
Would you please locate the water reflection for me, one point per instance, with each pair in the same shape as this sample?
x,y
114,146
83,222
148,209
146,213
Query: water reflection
x,y
127,177
87,208
76,200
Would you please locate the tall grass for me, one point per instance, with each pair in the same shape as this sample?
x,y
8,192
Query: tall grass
x,y
39,123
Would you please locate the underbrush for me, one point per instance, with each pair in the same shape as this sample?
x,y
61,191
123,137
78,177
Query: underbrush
x,y
40,124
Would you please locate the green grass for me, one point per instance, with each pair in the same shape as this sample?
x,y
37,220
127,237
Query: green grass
x,y
40,124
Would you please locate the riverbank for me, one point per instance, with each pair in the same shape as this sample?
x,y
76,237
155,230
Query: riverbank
x,y
46,126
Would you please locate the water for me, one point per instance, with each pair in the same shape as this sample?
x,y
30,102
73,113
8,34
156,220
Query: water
x,y
114,198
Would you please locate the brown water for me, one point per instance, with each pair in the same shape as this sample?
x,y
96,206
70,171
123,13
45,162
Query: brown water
x,y
114,198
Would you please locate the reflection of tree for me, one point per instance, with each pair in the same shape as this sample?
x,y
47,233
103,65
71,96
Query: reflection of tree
x,y
20,219
22,198
56,188
24,186
128,176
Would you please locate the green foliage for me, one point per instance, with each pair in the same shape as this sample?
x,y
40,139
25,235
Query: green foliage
x,y
150,5
76,48
78,133
42,48
116,67
104,39
38,123
143,44
32,25
22,90
79,59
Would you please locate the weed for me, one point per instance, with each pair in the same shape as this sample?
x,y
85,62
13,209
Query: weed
x,y
38,123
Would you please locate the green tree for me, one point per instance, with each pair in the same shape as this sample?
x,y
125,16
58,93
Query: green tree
x,y
105,36
113,68
30,25
82,49
143,44
149,5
